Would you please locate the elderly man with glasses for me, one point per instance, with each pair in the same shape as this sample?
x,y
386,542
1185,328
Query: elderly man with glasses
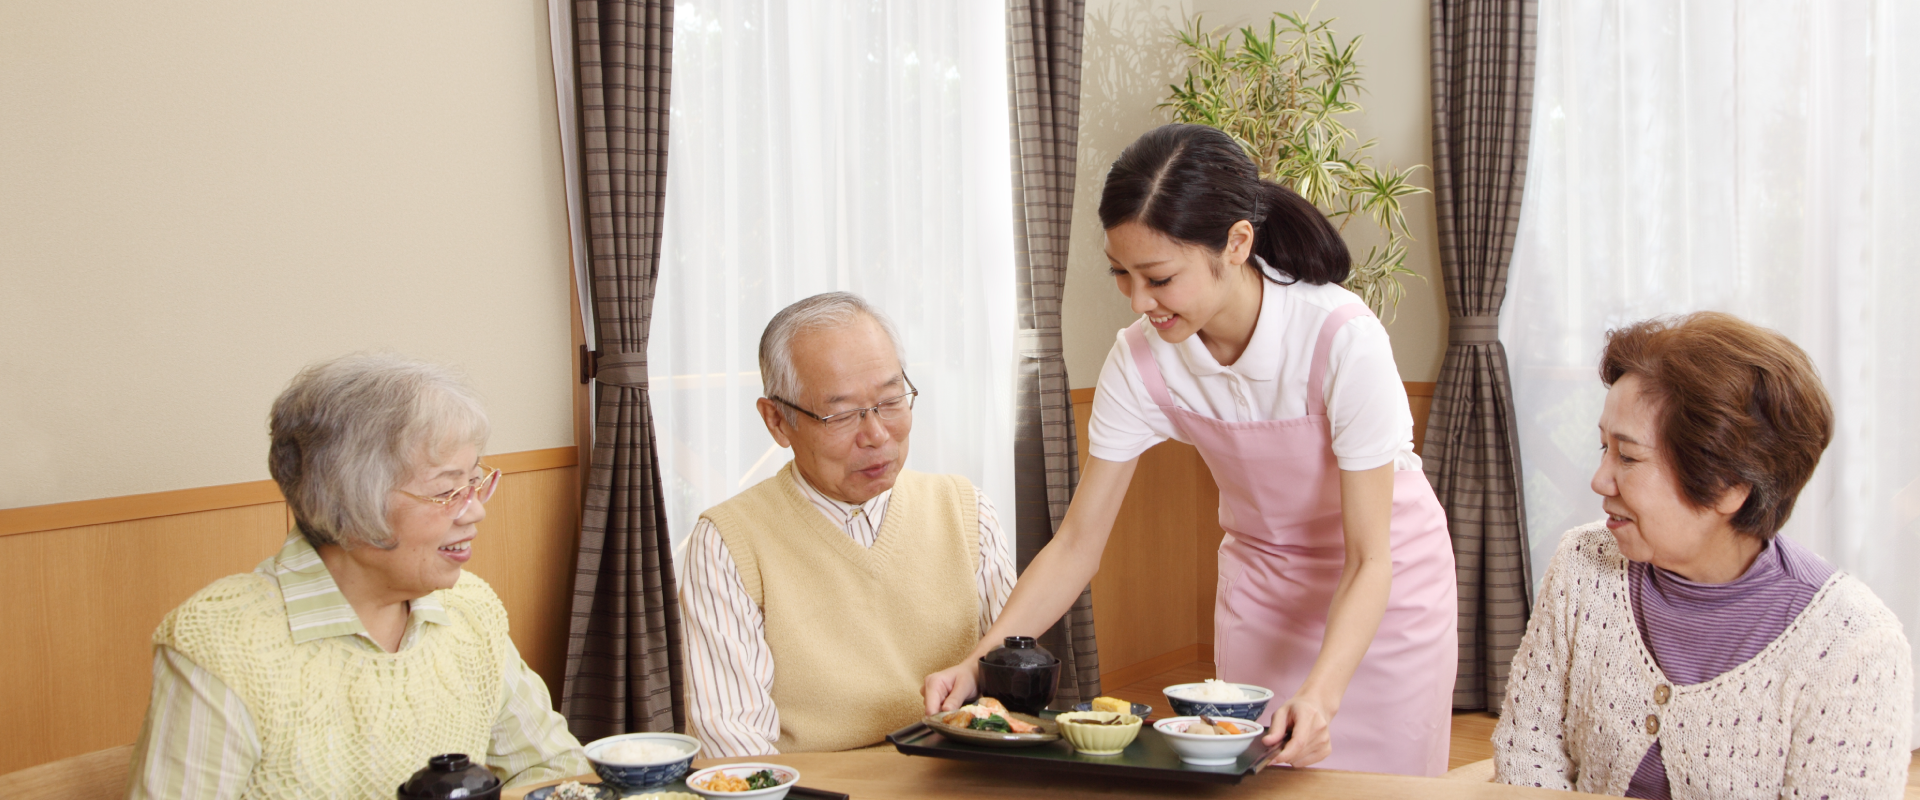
x,y
817,599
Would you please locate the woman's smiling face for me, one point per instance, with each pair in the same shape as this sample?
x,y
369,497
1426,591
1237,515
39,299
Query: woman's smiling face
x,y
430,547
1179,287
1646,512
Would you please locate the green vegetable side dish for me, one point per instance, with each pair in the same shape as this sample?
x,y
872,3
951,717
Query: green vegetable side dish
x,y
993,722
764,779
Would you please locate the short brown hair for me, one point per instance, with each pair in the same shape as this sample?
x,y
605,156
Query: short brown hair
x,y
1738,405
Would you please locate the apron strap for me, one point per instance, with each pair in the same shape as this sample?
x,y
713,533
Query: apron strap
x,y
1317,375
1149,369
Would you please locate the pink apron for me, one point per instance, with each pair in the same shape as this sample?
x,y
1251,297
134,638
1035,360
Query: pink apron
x,y
1281,559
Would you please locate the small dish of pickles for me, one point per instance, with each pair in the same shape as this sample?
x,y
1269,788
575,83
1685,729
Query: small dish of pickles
x,y
1098,733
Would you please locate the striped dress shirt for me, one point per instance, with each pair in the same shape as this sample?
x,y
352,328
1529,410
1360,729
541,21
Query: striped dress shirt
x,y
729,664
199,739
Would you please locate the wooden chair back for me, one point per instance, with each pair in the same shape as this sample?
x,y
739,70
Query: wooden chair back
x,y
1479,771
99,775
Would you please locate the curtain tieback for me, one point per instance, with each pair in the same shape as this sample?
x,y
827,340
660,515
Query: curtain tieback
x,y
1036,342
1474,330
622,369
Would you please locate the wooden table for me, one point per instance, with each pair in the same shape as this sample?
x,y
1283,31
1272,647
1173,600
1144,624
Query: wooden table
x,y
870,774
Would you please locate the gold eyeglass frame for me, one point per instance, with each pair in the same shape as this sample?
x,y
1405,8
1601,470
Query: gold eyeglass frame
x,y
472,490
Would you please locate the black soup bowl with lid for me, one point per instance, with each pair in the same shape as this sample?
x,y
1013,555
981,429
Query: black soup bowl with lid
x,y
1020,674
451,776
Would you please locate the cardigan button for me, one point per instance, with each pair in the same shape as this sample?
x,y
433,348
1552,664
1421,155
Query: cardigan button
x,y
1662,693
1653,724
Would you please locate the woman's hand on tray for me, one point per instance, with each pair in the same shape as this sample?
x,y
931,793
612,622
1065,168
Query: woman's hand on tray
x,y
952,687
1304,724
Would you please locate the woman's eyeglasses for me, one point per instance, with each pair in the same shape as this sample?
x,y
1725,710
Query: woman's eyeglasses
x,y
846,422
454,502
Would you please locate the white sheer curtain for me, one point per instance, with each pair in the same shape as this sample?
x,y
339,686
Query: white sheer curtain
x,y
827,145
1759,157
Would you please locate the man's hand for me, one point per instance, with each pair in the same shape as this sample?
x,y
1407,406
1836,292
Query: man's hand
x,y
951,688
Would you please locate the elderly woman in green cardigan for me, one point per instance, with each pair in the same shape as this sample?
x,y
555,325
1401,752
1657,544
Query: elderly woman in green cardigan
x,y
342,663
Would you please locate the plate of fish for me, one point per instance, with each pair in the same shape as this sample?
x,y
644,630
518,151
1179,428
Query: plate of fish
x,y
987,722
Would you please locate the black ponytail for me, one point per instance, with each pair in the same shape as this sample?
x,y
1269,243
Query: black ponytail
x,y
1191,183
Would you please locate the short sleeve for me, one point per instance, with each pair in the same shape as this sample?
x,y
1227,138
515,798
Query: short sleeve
x,y
1126,421
1366,402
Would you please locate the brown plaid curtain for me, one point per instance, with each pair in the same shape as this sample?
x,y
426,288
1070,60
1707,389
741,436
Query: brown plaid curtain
x,y
623,652
1482,99
1043,76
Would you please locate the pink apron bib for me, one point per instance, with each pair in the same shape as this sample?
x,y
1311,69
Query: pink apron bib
x,y
1281,559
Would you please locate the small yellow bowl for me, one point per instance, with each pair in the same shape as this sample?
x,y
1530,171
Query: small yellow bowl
x,y
1098,740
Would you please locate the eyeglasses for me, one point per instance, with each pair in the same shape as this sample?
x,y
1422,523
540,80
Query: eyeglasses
x,y
454,502
845,422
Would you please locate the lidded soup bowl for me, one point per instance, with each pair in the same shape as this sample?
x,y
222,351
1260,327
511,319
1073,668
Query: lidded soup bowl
x,y
451,776
1020,674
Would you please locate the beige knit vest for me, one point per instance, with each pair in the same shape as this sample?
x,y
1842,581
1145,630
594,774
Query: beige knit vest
x,y
855,630
336,719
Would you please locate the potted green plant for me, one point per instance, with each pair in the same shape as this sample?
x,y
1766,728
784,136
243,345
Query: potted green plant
x,y
1280,95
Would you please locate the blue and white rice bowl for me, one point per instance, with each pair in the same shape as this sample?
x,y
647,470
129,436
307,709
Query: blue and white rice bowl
x,y
645,774
1250,709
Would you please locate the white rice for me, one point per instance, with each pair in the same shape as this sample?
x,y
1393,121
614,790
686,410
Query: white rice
x,y
639,751
1214,691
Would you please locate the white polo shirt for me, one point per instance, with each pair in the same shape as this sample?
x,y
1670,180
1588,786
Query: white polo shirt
x,y
1366,402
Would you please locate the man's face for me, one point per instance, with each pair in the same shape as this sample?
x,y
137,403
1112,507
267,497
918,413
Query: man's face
x,y
840,369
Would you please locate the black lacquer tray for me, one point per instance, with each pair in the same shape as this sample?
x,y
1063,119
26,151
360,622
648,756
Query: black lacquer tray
x,y
1148,756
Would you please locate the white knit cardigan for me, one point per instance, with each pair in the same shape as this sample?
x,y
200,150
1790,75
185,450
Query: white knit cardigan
x,y
1822,711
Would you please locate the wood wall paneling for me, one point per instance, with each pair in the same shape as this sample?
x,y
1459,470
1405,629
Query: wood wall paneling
x,y
79,612
138,506
79,602
1207,534
1420,402
525,550
56,516
1145,587
1143,595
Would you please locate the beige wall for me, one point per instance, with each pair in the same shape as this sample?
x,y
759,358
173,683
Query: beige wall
x,y
1129,63
198,198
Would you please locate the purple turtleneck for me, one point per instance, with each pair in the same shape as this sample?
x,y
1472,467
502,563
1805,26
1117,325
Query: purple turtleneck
x,y
1696,631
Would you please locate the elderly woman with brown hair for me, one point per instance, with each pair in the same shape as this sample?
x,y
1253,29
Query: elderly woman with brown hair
x,y
1682,648
341,664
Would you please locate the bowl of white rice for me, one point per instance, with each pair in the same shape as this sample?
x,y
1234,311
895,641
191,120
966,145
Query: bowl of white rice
x,y
642,760
1218,699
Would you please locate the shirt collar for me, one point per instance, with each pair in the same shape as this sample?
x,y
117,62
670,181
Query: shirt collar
x,y
1261,360
847,510
315,607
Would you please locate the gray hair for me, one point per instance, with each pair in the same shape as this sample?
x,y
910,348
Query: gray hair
x,y
819,312
349,431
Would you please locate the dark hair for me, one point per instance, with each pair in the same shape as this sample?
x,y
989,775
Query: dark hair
x,y
1192,183
1738,405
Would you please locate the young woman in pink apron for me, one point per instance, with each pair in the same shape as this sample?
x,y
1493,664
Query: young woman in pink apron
x,y
1336,584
